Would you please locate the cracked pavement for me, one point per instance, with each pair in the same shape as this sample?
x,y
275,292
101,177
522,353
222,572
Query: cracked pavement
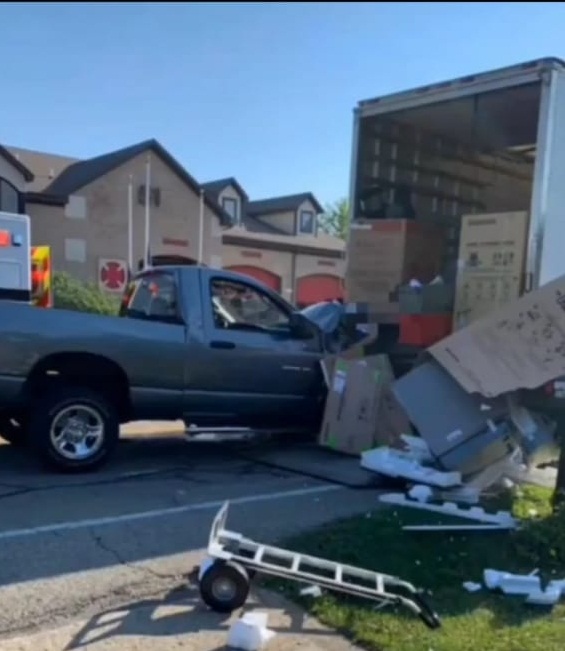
x,y
76,546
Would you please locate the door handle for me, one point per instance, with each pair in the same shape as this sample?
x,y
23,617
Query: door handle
x,y
222,344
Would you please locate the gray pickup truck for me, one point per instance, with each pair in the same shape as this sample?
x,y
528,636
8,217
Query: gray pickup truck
x,y
207,346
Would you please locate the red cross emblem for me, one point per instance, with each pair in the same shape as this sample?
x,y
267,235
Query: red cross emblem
x,y
113,275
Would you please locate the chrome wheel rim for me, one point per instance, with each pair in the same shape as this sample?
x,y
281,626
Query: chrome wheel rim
x,y
224,589
77,432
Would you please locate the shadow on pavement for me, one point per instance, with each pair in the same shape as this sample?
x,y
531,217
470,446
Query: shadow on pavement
x,y
182,613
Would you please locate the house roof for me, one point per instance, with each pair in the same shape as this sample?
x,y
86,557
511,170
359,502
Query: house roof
x,y
15,163
44,167
215,187
288,203
83,172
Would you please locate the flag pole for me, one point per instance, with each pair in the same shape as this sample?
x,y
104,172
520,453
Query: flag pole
x,y
147,210
201,228
130,224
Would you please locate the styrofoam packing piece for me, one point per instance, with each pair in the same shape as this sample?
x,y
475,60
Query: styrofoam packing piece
x,y
470,586
395,463
518,584
547,597
311,591
421,493
457,527
512,584
559,584
250,633
491,578
417,448
476,513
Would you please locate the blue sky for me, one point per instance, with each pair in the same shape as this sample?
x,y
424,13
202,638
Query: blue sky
x,y
260,91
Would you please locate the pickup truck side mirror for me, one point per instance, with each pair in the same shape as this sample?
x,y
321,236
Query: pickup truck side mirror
x,y
301,327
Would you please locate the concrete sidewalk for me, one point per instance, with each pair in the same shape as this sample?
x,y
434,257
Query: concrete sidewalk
x,y
181,622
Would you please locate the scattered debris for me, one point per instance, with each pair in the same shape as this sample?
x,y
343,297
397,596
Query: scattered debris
x,y
311,591
503,519
528,585
250,632
396,463
472,587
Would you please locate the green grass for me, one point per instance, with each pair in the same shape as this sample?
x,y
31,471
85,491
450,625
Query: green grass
x,y
441,562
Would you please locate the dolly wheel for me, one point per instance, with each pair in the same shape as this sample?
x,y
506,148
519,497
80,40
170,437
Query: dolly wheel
x,y
224,587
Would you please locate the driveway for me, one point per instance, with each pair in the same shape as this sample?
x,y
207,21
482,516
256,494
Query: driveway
x,y
127,536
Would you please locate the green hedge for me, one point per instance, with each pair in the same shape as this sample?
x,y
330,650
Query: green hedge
x,y
72,294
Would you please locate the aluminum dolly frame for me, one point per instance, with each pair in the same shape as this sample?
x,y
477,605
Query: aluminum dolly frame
x,y
233,560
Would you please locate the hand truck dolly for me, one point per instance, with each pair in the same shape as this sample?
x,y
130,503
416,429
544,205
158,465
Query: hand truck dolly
x,y
233,560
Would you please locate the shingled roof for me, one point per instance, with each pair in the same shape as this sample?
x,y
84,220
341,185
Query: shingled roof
x,y
14,162
83,172
288,203
216,187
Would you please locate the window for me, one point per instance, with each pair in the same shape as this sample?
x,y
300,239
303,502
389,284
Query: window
x,y
238,306
230,206
75,250
152,297
9,197
306,225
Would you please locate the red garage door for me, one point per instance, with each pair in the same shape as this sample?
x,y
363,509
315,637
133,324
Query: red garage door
x,y
317,288
262,275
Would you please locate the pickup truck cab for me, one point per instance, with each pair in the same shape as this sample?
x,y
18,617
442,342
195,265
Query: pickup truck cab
x,y
207,346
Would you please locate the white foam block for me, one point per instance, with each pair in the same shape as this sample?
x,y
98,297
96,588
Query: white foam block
x,y
395,463
250,633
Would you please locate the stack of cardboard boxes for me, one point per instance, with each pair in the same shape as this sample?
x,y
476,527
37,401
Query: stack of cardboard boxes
x,y
362,411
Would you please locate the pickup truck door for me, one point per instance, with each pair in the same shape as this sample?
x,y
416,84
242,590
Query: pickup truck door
x,y
256,369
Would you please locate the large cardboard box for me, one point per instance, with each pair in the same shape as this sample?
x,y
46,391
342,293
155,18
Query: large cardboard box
x,y
361,410
492,254
382,255
518,346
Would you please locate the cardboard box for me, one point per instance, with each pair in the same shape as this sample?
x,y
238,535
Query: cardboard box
x,y
385,254
361,411
492,254
518,346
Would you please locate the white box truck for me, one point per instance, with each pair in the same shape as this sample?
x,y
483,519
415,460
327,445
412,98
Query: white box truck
x,y
482,144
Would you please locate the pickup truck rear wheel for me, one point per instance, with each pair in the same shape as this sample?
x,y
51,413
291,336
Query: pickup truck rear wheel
x,y
73,429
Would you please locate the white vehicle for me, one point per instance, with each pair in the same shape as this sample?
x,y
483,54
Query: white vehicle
x,y
15,257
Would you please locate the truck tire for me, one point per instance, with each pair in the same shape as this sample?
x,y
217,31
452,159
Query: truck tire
x,y
13,429
224,586
73,429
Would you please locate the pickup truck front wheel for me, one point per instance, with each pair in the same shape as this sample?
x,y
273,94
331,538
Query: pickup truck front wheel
x,y
73,429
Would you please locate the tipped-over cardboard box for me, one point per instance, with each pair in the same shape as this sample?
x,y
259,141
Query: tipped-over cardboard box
x,y
518,346
361,410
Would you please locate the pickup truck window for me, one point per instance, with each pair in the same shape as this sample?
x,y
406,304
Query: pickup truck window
x,y
239,306
152,297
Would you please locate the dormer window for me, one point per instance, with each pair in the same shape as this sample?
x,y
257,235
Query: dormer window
x,y
307,222
230,205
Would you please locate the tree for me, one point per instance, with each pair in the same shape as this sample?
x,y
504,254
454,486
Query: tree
x,y
72,294
335,220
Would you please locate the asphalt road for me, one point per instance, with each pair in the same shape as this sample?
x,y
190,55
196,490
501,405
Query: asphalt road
x,y
75,546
